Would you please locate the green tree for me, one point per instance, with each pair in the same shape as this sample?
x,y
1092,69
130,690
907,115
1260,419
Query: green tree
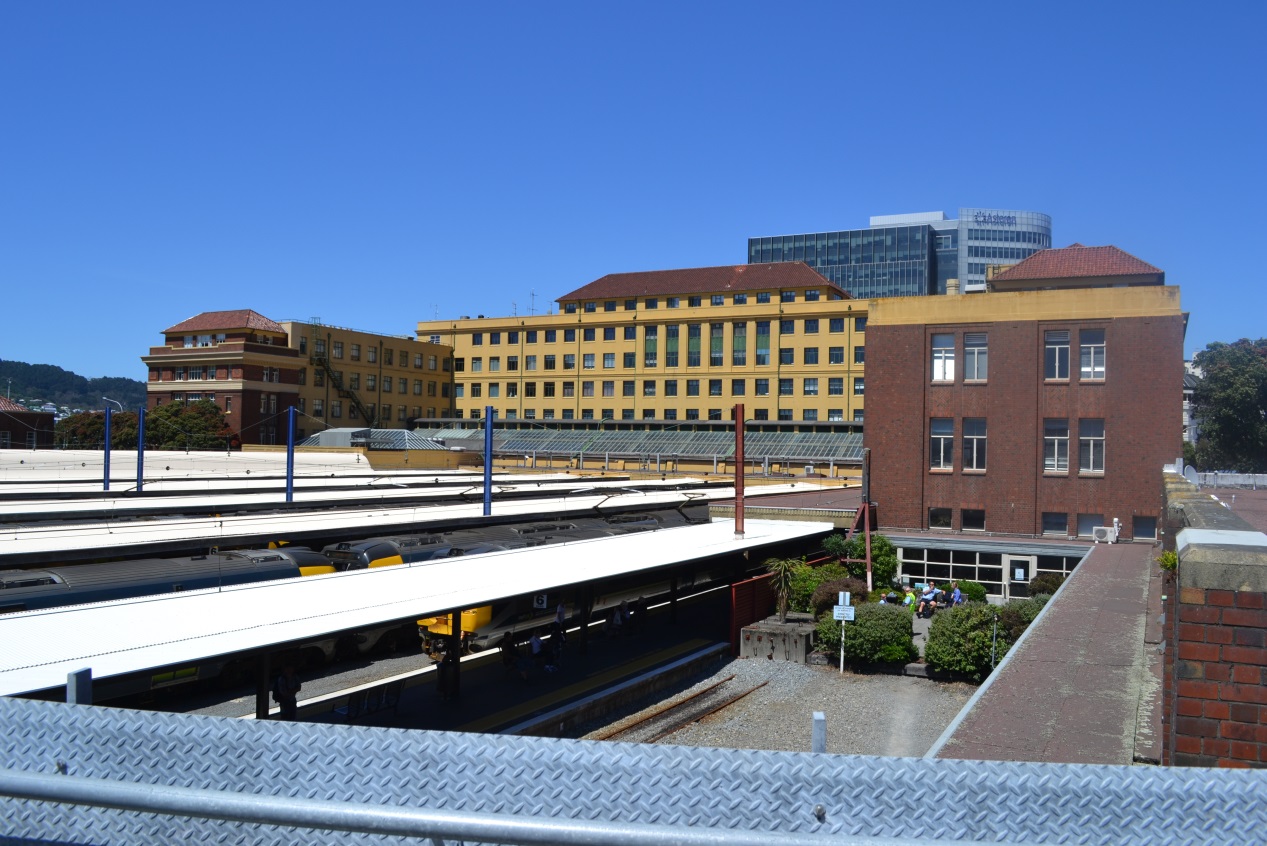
x,y
781,570
87,430
883,556
1230,403
197,425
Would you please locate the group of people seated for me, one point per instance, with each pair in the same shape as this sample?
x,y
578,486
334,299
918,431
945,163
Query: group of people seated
x,y
930,599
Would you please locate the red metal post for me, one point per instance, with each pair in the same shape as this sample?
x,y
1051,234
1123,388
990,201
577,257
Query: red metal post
x,y
739,470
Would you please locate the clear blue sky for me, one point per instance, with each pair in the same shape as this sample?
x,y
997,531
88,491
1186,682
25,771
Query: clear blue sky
x,y
376,164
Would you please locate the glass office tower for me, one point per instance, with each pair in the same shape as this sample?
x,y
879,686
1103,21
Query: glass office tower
x,y
905,255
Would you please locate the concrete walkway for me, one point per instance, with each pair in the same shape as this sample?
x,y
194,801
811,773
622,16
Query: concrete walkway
x,y
1084,684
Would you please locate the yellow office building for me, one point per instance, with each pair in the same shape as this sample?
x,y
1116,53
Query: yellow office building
x,y
669,345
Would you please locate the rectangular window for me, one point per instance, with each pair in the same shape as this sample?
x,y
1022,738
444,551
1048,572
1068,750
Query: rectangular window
x,y
587,389
569,389
569,336
672,302
973,519
551,335
494,365
609,305
761,414
976,357
811,295
671,333
739,299
532,336
762,388
651,303
810,415
810,355
530,389
859,355
512,362
512,389
648,387
835,386
785,387
629,360
1055,523
859,386
787,355
338,349
810,387
649,345
547,389
716,345
787,296
785,414
609,333
1091,354
587,361
670,387
974,443
1090,446
941,443
787,327
587,334
763,342
609,388
811,327
694,302
714,414
590,308
836,324
737,387
692,388
477,390
943,358
739,344
627,388
356,352
1055,446
631,305
494,391
609,361
859,324
530,362
693,345
718,299
1056,354
550,362
714,387
835,415
569,361
835,355
493,338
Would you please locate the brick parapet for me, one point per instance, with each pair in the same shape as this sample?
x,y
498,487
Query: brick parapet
x,y
1215,679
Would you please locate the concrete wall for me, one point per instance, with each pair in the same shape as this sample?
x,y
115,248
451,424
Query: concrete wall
x,y
1215,711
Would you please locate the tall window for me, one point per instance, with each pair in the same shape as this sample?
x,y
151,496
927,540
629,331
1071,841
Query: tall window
x,y
974,443
739,344
671,345
943,362
587,361
835,355
569,361
649,345
1056,354
763,342
976,357
1091,353
609,361
716,345
1090,446
609,389
1056,445
941,443
692,344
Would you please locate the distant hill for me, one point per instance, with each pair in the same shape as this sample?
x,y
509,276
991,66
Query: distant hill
x,y
34,384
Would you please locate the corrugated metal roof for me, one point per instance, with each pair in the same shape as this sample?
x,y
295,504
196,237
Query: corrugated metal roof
x,y
39,648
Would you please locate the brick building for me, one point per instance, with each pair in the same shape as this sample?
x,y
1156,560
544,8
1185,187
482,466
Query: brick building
x,y
22,428
1047,406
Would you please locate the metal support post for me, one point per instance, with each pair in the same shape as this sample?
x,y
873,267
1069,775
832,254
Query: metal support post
x,y
819,742
79,687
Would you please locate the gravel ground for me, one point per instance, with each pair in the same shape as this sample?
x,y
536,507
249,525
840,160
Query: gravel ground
x,y
866,714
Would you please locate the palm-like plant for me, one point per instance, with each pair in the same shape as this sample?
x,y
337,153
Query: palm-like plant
x,y
780,570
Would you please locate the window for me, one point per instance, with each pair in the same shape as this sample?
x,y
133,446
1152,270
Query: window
x,y
941,443
494,365
532,336
858,415
609,388
739,344
763,342
693,345
1055,523
551,335
648,414
547,389
943,358
811,327
694,302
787,355
493,338
670,387
587,334
512,337
512,362
810,387
569,361
718,299
835,355
1090,446
530,389
714,387
1088,523
494,390
810,354
859,324
609,333
810,415
627,388
318,408
550,362
651,303
1091,354
1056,354
785,414
836,324
975,357
530,362
569,336
587,361
761,414
785,387
859,386
692,389
939,518
672,302
569,308
716,345
787,327
811,296
631,333
337,349
587,389
737,387
609,305
387,384
648,387
973,519
609,361
590,308
356,352
762,388
626,414
671,413
671,336
787,296
569,389
336,408
650,343
418,387
714,414
859,355
739,299
629,360
1055,446
477,390
836,386
974,443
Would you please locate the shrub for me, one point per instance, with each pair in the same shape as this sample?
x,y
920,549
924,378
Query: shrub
x,y
1168,560
825,595
1047,583
959,640
879,634
806,578
883,556
972,591
781,570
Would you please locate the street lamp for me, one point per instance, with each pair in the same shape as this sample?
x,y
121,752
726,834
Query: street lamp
x,y
116,402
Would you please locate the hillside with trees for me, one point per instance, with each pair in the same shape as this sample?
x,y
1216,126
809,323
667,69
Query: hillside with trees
x,y
40,383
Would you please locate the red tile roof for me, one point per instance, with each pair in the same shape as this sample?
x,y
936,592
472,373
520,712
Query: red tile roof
x,y
703,280
219,321
11,407
1075,261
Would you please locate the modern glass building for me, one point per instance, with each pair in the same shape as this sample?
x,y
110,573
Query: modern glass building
x,y
905,255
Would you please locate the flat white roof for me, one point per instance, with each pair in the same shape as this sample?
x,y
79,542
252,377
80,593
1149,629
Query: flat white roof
x,y
39,648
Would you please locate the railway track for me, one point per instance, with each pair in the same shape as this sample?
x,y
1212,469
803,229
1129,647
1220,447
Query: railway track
x,y
674,716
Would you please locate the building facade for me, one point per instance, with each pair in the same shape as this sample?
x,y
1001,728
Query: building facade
x,y
906,255
672,345
23,428
255,368
1044,410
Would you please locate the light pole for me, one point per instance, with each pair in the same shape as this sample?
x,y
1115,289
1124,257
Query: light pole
x,y
107,399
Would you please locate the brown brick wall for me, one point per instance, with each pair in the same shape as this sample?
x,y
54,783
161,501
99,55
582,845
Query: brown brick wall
x,y
1140,401
1217,679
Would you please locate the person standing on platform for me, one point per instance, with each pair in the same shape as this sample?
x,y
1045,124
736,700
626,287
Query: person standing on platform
x,y
286,693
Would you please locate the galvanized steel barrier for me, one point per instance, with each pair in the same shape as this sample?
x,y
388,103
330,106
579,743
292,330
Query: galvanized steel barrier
x,y
81,774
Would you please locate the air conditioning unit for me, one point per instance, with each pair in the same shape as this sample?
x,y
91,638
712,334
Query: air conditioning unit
x,y
1105,534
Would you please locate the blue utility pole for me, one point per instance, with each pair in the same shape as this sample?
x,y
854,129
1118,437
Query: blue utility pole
x,y
488,460
290,454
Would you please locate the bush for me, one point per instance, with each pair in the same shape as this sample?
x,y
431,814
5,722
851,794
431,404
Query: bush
x,y
883,556
1047,583
1168,560
825,595
879,634
806,579
972,591
959,639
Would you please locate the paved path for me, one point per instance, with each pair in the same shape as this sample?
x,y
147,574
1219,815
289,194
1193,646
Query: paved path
x,y
1072,691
